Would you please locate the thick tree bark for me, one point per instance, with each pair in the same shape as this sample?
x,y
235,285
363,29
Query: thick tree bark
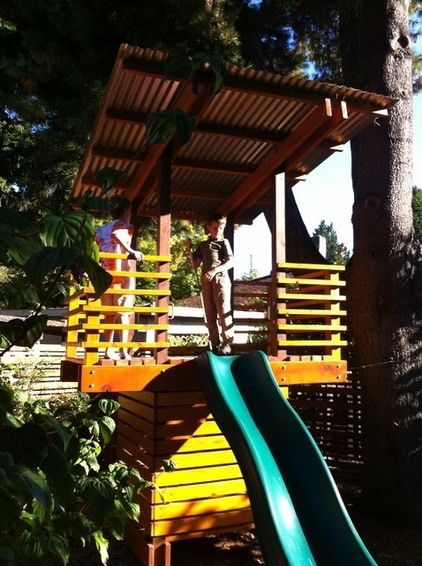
x,y
385,276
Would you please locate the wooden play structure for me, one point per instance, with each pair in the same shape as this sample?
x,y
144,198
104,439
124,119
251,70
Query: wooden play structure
x,y
252,142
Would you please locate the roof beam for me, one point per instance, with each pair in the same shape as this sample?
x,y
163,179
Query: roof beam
x,y
213,167
310,133
204,128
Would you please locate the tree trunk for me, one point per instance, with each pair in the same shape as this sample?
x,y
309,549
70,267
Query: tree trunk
x,y
385,275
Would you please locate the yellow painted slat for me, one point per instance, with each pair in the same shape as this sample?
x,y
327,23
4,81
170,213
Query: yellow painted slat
x,y
310,297
134,414
312,327
182,525
199,507
161,258
137,292
312,312
141,274
153,309
306,343
313,266
303,281
194,476
116,326
204,459
193,444
186,427
98,345
202,491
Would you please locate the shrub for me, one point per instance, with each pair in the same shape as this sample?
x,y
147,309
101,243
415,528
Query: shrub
x,y
53,485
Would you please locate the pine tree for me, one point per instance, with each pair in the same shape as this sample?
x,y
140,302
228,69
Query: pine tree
x,y
336,252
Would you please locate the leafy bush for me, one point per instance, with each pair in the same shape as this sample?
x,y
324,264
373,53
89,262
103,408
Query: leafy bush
x,y
53,486
188,340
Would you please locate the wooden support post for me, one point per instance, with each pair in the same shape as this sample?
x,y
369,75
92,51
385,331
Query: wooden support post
x,y
72,322
163,248
91,353
150,551
278,233
229,234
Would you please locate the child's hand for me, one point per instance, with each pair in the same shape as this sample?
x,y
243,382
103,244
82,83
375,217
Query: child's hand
x,y
208,276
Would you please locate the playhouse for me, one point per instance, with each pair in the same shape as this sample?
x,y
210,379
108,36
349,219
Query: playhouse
x,y
252,142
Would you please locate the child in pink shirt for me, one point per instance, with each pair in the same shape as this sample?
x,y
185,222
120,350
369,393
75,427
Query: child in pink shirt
x,y
116,237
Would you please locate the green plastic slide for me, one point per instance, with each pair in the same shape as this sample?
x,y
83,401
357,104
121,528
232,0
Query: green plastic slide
x,y
299,515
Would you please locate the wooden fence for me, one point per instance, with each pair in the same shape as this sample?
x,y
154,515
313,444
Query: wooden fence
x,y
332,412
37,369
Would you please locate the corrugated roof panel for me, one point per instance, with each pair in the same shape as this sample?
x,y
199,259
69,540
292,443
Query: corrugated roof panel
x,y
258,124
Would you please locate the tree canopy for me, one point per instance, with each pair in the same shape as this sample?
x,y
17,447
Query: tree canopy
x,y
56,57
336,252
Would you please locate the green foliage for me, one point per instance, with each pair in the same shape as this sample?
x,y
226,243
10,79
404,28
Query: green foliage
x,y
53,486
336,252
53,76
14,290
250,275
47,256
162,126
188,340
53,72
184,282
181,65
417,212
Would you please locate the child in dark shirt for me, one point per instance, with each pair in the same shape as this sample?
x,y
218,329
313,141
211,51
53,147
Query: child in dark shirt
x,y
216,257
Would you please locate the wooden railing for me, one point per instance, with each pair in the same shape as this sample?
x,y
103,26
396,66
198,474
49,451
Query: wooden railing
x,y
307,323
251,307
86,325
310,309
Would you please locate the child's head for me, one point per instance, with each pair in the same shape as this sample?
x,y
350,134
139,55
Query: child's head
x,y
118,206
216,224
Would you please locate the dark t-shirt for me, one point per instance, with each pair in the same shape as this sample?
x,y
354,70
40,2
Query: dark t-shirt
x,y
213,253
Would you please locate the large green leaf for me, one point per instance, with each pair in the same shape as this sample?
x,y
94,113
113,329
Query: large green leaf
x,y
179,65
24,332
76,227
6,399
102,545
36,485
99,277
56,467
161,126
30,547
57,433
100,205
12,222
20,249
107,427
22,483
59,546
47,259
107,178
108,406
215,64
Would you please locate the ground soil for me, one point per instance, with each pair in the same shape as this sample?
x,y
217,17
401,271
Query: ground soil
x,y
389,544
